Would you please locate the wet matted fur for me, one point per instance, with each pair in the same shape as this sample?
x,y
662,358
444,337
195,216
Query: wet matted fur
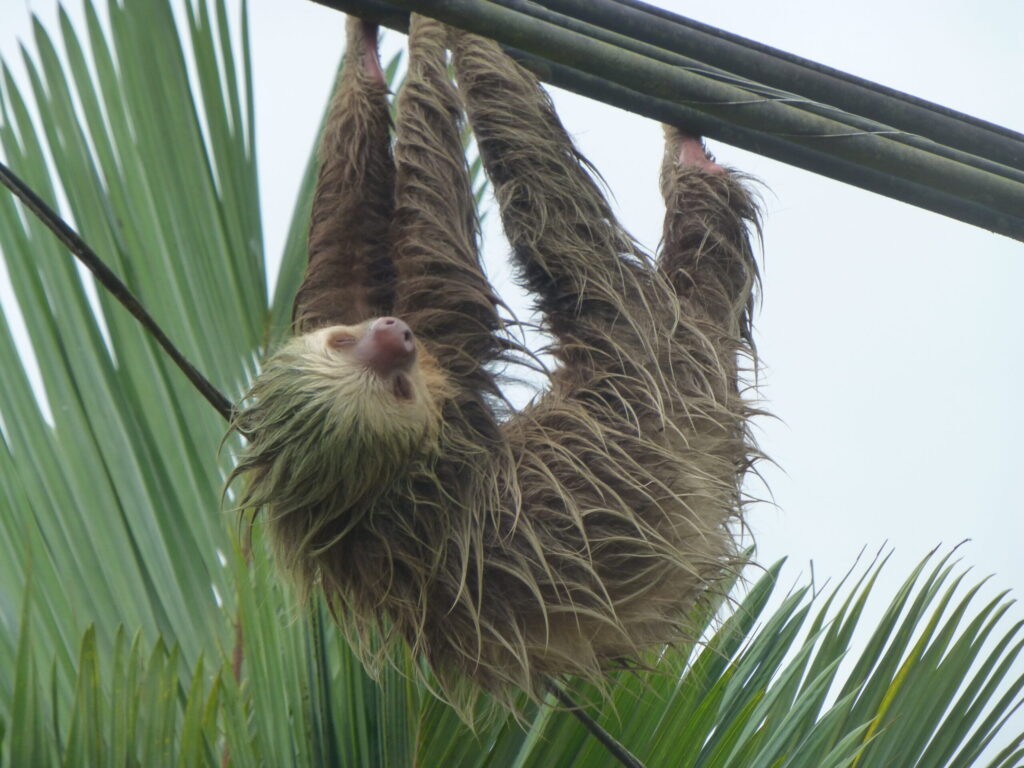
x,y
584,528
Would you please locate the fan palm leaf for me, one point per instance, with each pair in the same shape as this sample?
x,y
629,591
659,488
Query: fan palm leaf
x,y
134,630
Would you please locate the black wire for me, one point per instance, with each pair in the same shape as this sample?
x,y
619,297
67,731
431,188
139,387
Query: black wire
x,y
656,40
622,754
810,79
113,284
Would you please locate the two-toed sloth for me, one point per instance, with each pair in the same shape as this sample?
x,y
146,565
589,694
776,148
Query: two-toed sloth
x,y
584,528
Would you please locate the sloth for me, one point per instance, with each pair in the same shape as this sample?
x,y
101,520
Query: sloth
x,y
504,549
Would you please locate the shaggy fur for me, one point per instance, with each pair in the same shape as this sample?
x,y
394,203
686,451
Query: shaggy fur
x,y
350,276
584,528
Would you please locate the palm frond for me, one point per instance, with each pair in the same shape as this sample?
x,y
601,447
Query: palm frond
x,y
122,586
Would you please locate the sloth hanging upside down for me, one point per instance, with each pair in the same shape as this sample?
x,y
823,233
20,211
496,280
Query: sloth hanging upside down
x,y
579,531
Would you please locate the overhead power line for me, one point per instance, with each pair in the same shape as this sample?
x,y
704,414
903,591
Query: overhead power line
x,y
672,69
814,81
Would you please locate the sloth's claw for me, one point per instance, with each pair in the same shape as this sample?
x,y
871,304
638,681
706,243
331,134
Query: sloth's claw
x,y
371,57
692,152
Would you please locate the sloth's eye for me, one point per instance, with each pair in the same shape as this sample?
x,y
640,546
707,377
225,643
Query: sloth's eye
x,y
341,340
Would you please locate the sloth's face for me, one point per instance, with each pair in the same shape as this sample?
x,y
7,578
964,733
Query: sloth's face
x,y
377,382
380,354
338,414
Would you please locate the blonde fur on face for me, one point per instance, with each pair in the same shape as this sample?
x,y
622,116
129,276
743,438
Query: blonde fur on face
x,y
358,400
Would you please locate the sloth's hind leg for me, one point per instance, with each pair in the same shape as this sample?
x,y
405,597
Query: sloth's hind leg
x,y
443,293
564,236
350,277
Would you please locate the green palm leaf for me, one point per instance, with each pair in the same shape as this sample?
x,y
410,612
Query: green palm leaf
x,y
123,592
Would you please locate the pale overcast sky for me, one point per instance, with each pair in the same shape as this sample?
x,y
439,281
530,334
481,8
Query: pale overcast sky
x,y
890,337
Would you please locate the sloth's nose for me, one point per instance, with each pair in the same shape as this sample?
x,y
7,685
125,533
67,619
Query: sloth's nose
x,y
387,346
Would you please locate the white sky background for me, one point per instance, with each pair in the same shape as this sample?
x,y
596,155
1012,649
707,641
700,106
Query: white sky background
x,y
890,336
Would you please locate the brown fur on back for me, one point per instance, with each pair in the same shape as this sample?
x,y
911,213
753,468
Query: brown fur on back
x,y
587,527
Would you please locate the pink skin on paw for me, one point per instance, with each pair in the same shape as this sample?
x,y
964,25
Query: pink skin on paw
x,y
692,152
371,60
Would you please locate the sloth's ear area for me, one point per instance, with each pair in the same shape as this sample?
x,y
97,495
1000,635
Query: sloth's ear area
x,y
341,339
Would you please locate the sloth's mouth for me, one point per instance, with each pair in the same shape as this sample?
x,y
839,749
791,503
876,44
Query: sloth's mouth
x,y
402,387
